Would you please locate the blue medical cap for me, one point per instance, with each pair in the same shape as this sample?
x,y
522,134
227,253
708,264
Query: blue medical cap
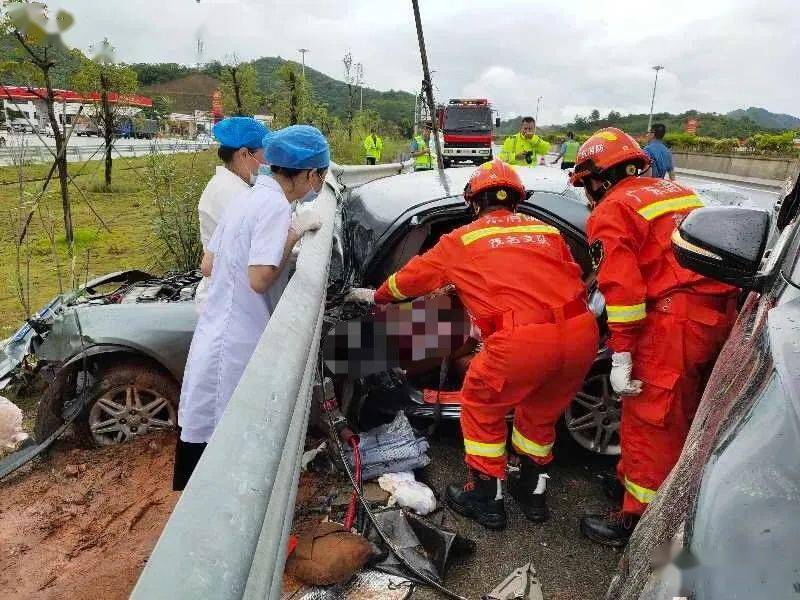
x,y
240,132
298,147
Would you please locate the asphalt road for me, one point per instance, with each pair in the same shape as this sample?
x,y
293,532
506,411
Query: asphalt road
x,y
569,566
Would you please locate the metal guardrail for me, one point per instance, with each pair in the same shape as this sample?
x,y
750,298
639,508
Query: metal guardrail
x,y
226,538
39,154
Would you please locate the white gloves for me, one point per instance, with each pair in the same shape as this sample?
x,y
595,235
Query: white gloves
x,y
360,295
307,220
621,369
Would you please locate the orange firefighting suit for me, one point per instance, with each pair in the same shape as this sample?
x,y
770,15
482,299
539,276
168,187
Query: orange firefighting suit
x,y
518,280
671,320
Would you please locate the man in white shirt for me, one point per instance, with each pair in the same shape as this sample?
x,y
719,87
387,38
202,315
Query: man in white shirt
x,y
241,150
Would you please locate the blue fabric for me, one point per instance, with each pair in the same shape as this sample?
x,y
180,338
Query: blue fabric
x,y
414,146
241,132
661,157
298,147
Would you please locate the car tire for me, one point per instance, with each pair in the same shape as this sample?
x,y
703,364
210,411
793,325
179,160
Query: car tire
x,y
591,421
447,163
129,398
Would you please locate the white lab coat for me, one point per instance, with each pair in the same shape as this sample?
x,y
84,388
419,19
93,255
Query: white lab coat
x,y
252,231
219,192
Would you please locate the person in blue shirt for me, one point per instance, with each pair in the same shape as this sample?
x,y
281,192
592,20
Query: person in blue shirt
x,y
661,157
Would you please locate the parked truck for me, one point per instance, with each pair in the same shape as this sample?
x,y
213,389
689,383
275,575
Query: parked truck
x,y
136,128
466,126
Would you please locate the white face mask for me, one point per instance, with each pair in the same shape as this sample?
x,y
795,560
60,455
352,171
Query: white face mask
x,y
312,193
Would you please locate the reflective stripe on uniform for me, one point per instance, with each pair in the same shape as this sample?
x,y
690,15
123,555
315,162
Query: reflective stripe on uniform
x,y
488,450
642,494
393,289
662,207
626,314
529,446
478,234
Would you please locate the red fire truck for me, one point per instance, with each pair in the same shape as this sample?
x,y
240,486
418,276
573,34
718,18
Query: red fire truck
x,y
466,126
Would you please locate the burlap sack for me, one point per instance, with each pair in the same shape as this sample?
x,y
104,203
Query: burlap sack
x,y
327,554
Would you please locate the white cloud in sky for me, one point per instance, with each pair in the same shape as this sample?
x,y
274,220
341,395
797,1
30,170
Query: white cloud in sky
x,y
718,54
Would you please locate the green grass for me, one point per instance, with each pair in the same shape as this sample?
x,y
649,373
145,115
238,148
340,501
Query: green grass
x,y
125,242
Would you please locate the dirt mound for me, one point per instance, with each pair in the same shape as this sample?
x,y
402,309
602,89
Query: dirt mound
x,y
83,523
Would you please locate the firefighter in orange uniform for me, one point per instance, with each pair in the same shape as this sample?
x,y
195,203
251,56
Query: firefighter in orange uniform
x,y
518,280
667,323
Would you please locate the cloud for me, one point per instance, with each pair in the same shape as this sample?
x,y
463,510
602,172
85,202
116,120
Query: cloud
x,y
718,55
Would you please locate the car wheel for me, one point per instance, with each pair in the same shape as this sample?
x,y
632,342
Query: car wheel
x,y
593,416
447,163
129,399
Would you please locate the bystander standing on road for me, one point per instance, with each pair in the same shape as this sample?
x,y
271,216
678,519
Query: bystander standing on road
x,y
241,151
568,152
421,149
247,255
373,147
525,147
660,155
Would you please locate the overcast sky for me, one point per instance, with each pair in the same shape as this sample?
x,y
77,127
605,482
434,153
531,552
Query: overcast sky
x,y
718,55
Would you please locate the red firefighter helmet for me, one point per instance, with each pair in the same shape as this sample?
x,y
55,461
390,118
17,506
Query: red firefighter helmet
x,y
499,179
605,150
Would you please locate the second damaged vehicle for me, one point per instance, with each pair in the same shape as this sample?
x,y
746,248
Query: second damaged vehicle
x,y
112,355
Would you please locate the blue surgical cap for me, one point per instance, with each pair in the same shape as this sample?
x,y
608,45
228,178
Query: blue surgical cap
x,y
298,147
241,132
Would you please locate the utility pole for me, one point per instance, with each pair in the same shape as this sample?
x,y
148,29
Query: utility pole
x,y
656,68
426,84
360,75
536,118
302,52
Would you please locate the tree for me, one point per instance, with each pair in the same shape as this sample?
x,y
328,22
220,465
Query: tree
x,y
30,25
101,76
594,117
240,94
613,116
292,102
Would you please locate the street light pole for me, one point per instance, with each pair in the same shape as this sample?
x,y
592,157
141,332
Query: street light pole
x,y
656,68
426,84
302,52
360,75
536,118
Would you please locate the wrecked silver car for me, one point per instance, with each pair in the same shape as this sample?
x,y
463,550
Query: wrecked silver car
x,y
123,338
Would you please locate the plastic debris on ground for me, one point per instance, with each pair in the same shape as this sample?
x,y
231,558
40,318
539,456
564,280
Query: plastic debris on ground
x,y
521,584
407,492
11,433
310,455
368,584
421,543
391,448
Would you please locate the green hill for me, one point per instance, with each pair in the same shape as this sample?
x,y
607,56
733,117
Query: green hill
x,y
765,118
168,79
710,124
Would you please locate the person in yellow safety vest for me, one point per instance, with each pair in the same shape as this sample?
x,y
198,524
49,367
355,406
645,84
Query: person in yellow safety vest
x,y
420,149
568,152
525,147
373,147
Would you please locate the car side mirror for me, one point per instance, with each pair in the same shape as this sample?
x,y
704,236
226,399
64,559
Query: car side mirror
x,y
497,122
725,243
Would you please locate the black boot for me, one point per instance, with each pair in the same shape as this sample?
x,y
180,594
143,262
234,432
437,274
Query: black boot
x,y
612,488
612,529
481,498
524,489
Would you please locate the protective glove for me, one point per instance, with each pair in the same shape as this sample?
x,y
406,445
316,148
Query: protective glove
x,y
361,295
306,220
621,369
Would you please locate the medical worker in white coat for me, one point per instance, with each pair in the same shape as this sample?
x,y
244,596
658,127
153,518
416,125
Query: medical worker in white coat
x,y
241,149
246,261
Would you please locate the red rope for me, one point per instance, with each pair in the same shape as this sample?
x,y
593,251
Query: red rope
x,y
352,509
